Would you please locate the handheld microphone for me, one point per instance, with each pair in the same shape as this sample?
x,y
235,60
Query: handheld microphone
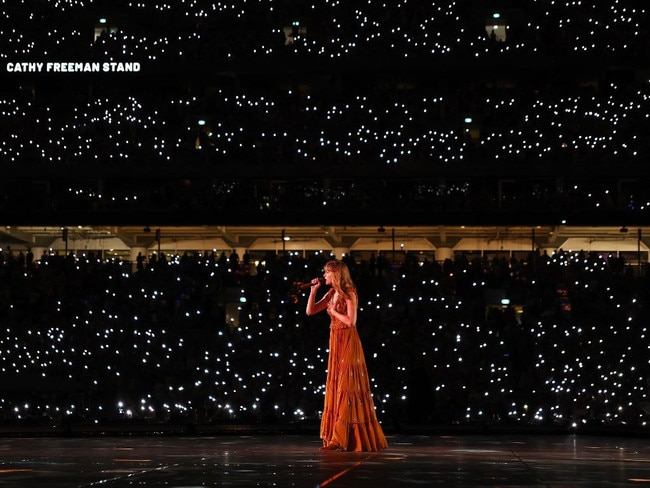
x,y
309,284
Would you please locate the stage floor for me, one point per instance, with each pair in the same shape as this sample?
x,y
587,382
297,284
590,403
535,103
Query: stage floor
x,y
295,460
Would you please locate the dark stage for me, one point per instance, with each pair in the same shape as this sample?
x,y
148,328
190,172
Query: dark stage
x,y
505,460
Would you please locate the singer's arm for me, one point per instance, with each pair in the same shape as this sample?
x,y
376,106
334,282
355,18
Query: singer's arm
x,y
313,306
349,318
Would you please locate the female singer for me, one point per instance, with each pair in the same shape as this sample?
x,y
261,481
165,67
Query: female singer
x,y
349,421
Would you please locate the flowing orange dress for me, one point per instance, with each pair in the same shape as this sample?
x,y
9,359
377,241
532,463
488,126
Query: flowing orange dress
x,y
349,419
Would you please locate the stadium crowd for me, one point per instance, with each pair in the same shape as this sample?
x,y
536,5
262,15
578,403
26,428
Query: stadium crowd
x,y
205,338
239,29
226,91
418,86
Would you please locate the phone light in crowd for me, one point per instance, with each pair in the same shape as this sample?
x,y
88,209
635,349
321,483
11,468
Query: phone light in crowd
x,y
505,301
102,20
496,15
468,120
201,122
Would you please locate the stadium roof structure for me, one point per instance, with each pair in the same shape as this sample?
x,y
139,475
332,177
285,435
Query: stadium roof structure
x,y
122,240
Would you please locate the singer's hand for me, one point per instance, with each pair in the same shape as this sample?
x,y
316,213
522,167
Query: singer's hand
x,y
315,283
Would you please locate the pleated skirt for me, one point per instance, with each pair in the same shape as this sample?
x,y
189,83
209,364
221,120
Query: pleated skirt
x,y
349,420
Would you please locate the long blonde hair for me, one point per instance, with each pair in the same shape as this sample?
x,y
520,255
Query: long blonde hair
x,y
341,279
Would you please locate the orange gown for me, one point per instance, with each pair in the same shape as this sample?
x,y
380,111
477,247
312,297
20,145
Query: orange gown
x,y
349,419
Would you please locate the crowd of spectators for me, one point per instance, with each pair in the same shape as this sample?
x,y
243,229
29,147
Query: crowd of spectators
x,y
408,105
224,91
240,29
208,338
